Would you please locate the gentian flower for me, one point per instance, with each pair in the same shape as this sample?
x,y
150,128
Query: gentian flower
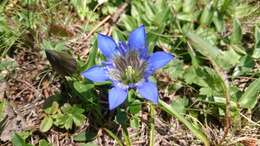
x,y
128,66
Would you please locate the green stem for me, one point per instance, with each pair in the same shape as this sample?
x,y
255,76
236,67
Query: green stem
x,y
110,133
126,136
197,132
225,86
152,127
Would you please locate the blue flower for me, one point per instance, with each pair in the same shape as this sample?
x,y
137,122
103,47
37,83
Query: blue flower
x,y
128,66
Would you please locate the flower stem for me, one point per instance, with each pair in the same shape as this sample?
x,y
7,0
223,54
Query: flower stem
x,y
126,136
197,132
110,133
152,127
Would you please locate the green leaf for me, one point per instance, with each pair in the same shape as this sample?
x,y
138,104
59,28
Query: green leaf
x,y
244,10
203,46
135,122
179,104
3,105
175,69
224,59
44,142
84,90
256,53
236,35
250,96
85,136
177,4
247,61
244,67
129,22
190,76
207,78
238,48
207,15
18,141
228,59
91,57
190,17
225,5
71,114
189,6
121,117
68,122
134,107
25,134
78,119
219,22
161,16
117,34
53,109
46,124
221,101
209,35
135,11
82,87
149,10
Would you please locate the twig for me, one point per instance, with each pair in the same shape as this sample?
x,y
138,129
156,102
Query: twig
x,y
243,139
114,18
30,86
249,120
118,12
98,25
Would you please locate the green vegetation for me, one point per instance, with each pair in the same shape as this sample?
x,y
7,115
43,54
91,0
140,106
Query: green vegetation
x,y
208,94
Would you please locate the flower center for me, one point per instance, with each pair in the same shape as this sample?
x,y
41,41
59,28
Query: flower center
x,y
128,68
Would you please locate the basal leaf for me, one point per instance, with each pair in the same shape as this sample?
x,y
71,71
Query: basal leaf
x,y
179,104
236,35
18,141
44,142
207,15
85,136
135,122
250,96
256,53
46,124
189,6
82,87
219,22
228,59
68,122
203,46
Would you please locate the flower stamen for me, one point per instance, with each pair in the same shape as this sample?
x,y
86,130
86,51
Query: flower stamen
x,y
128,68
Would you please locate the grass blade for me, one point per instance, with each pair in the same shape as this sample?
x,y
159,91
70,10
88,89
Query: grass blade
x,y
110,133
197,132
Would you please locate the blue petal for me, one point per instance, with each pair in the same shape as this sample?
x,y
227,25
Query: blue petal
x,y
158,60
149,91
96,74
137,38
122,48
106,45
116,97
